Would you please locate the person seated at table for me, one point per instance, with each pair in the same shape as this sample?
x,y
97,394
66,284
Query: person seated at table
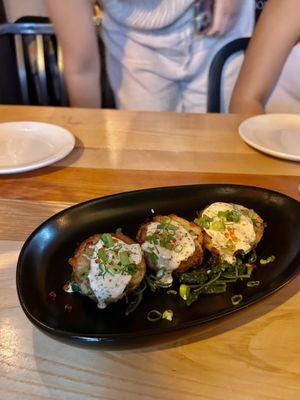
x,y
273,43
154,59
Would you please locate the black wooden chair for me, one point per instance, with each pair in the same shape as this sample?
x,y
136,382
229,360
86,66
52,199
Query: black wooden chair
x,y
34,70
38,62
216,69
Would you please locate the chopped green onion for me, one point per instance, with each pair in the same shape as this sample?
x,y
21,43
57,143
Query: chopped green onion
x,y
230,216
236,299
267,260
184,291
119,230
203,221
152,239
252,214
172,227
168,315
173,292
154,316
107,240
253,283
124,258
102,255
218,225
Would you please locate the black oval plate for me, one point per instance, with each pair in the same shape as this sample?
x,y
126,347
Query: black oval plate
x,y
43,262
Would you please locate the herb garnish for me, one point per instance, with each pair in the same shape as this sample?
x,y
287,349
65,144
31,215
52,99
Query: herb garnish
x,y
236,299
212,278
267,260
107,240
204,221
230,216
164,234
253,283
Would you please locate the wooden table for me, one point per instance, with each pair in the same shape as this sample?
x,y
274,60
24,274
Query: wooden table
x,y
253,354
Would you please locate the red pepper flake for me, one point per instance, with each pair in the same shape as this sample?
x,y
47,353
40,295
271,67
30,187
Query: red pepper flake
x,y
68,308
97,261
52,296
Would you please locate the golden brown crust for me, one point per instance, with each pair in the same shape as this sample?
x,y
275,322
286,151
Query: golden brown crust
x,y
195,259
81,264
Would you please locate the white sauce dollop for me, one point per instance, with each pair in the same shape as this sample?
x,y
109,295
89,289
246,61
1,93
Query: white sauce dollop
x,y
236,236
169,260
111,286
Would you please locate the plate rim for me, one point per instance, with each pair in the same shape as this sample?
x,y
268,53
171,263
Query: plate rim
x,y
266,150
45,162
111,337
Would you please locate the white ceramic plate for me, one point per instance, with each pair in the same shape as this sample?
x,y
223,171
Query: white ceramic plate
x,y
25,146
274,134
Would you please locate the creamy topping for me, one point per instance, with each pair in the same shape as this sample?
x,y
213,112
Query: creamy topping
x,y
111,268
167,244
230,228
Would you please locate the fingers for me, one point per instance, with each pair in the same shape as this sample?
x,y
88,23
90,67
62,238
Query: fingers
x,y
225,15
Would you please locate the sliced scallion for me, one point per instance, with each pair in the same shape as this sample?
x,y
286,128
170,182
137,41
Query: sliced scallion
x,y
267,260
172,292
154,316
107,240
236,299
253,283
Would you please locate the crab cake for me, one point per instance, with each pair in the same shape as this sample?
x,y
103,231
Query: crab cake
x,y
230,229
106,267
171,245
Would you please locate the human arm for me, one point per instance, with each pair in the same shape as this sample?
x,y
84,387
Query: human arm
x,y
225,15
73,23
277,31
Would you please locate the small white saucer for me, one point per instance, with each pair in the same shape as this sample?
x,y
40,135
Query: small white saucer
x,y
274,134
25,146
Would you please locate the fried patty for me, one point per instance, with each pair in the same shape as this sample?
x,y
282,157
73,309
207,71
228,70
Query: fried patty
x,y
193,260
258,226
80,263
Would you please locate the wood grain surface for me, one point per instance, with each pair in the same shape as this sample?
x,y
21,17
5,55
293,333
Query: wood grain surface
x,y
253,354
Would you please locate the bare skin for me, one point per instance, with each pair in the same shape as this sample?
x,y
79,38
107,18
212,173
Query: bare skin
x,y
277,31
73,22
225,14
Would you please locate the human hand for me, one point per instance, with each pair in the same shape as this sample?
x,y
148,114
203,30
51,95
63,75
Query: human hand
x,y
225,15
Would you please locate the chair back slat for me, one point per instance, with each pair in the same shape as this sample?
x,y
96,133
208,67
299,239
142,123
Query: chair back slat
x,y
60,66
22,73
39,63
41,81
41,77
